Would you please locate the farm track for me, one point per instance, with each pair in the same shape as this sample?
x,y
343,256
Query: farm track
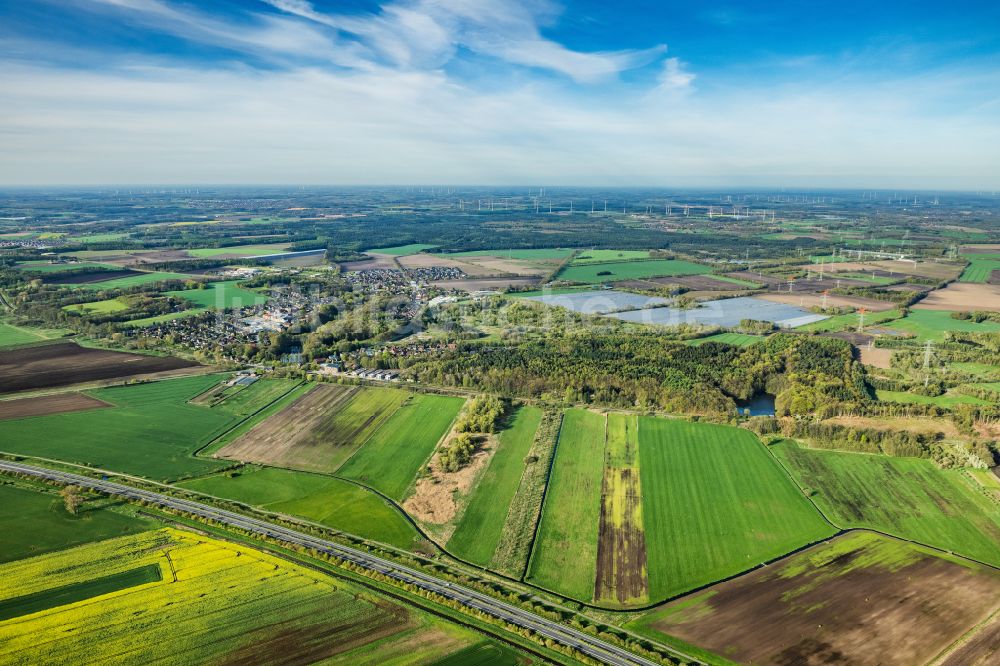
x,y
584,643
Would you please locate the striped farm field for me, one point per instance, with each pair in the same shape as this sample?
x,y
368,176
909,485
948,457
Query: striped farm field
x,y
482,523
980,267
211,602
906,497
715,503
319,431
391,457
565,555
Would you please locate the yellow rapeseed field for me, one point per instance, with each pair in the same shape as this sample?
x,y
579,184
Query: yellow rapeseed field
x,y
215,600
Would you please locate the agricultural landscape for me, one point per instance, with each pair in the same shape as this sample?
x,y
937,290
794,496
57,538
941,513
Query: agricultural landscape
x,y
613,436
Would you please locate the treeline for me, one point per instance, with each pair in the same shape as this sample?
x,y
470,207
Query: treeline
x,y
643,369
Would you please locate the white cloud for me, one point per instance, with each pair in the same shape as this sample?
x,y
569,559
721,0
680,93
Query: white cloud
x,y
311,125
675,76
416,33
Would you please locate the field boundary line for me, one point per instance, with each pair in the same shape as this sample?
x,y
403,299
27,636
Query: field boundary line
x,y
964,638
197,453
541,511
875,530
796,485
360,446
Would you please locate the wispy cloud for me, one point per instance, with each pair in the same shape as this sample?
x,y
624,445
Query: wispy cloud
x,y
419,33
464,91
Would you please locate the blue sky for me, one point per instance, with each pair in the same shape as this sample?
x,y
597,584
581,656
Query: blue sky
x,y
900,94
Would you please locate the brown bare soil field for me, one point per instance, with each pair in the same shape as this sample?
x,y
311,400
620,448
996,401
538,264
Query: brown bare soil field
x,y
981,648
810,300
981,249
501,265
436,497
154,257
860,599
426,260
383,261
962,296
60,403
89,277
876,357
66,363
767,280
485,284
928,269
621,546
296,436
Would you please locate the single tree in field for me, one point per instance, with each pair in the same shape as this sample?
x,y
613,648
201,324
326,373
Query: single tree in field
x,y
73,498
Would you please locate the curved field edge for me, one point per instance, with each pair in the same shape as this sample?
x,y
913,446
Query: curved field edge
x,y
323,499
908,498
842,600
715,504
391,458
216,600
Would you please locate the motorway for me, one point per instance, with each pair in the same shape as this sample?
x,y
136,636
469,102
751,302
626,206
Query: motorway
x,y
583,642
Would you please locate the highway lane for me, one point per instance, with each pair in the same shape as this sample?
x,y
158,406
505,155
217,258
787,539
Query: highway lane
x,y
585,643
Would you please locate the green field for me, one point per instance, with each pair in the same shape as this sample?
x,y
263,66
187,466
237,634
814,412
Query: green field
x,y
482,523
99,238
98,307
608,256
851,320
130,281
246,400
151,430
736,281
47,267
333,502
630,270
933,324
241,250
737,339
390,459
564,558
714,504
906,497
538,254
220,296
37,522
980,267
19,335
981,370
402,250
946,400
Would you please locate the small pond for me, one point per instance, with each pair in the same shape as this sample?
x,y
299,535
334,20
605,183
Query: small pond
x,y
761,404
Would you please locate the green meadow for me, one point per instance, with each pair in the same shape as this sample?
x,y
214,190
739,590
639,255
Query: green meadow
x,y
909,498
481,525
329,501
630,270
